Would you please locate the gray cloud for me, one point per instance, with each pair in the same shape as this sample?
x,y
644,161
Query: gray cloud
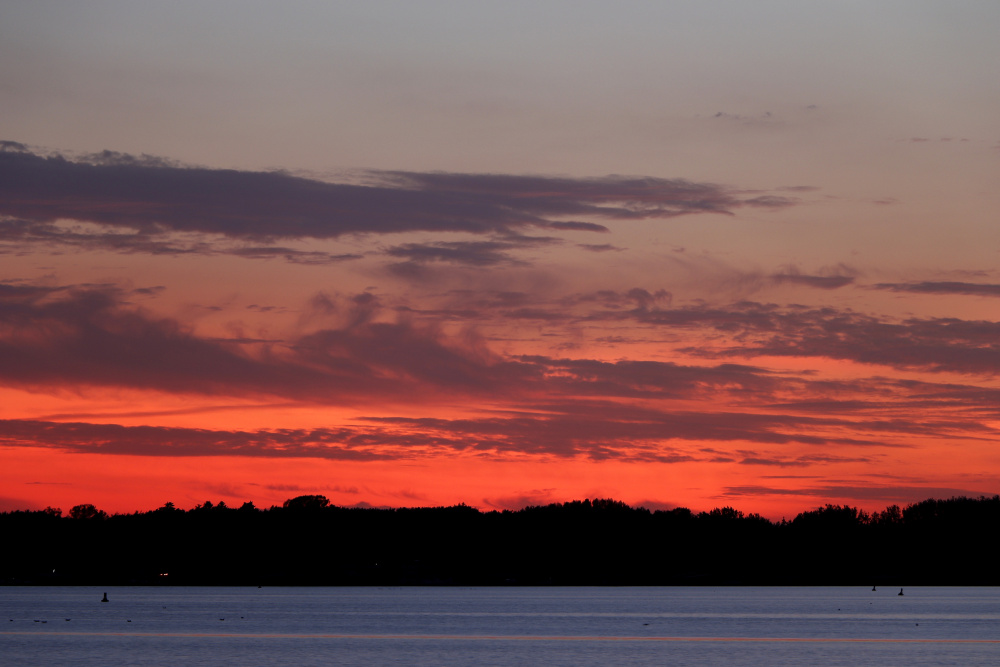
x,y
114,439
942,287
16,235
151,196
468,253
756,329
83,336
821,282
90,336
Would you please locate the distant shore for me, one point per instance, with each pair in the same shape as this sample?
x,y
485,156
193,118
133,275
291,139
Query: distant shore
x,y
307,541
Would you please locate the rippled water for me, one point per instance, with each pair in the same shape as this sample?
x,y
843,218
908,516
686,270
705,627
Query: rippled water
x,y
499,626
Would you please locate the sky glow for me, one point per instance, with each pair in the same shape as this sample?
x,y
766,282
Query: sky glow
x,y
697,254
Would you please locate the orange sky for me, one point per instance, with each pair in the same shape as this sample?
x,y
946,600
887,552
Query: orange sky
x,y
679,255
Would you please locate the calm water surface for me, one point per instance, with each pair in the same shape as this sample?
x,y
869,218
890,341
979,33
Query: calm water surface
x,y
499,626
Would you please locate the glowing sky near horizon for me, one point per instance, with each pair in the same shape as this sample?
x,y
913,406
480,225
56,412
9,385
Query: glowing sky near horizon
x,y
686,253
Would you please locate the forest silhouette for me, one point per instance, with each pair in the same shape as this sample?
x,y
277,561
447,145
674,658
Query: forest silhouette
x,y
308,541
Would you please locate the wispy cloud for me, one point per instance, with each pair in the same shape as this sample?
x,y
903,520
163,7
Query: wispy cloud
x,y
840,277
173,441
364,353
469,253
152,197
592,430
90,336
18,236
750,329
942,287
930,344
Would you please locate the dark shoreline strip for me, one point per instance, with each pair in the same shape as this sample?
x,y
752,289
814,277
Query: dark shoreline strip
x,y
552,638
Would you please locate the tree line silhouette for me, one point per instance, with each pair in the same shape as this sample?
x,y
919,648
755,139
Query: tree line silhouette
x,y
308,541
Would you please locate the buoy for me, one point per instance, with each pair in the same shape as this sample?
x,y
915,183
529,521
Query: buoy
x,y
900,592
873,588
105,598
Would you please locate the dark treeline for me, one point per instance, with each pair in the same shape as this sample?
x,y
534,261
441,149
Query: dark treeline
x,y
307,541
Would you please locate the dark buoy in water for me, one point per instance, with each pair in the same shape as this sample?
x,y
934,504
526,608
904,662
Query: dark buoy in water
x,y
105,598
900,592
873,588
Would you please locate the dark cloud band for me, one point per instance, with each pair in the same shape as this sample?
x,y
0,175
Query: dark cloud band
x,y
153,196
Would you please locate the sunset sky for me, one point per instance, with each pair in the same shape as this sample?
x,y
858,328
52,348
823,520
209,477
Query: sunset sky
x,y
421,253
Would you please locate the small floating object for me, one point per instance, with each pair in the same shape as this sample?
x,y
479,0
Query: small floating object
x,y
900,592
873,588
105,598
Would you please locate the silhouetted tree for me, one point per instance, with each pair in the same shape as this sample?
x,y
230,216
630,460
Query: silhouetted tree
x,y
722,514
87,511
306,503
831,517
890,516
308,541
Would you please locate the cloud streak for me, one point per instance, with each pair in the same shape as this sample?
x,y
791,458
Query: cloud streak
x,y
89,336
942,287
16,236
520,406
586,430
76,437
153,197
468,253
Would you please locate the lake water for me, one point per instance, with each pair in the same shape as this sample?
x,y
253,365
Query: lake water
x,y
499,626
